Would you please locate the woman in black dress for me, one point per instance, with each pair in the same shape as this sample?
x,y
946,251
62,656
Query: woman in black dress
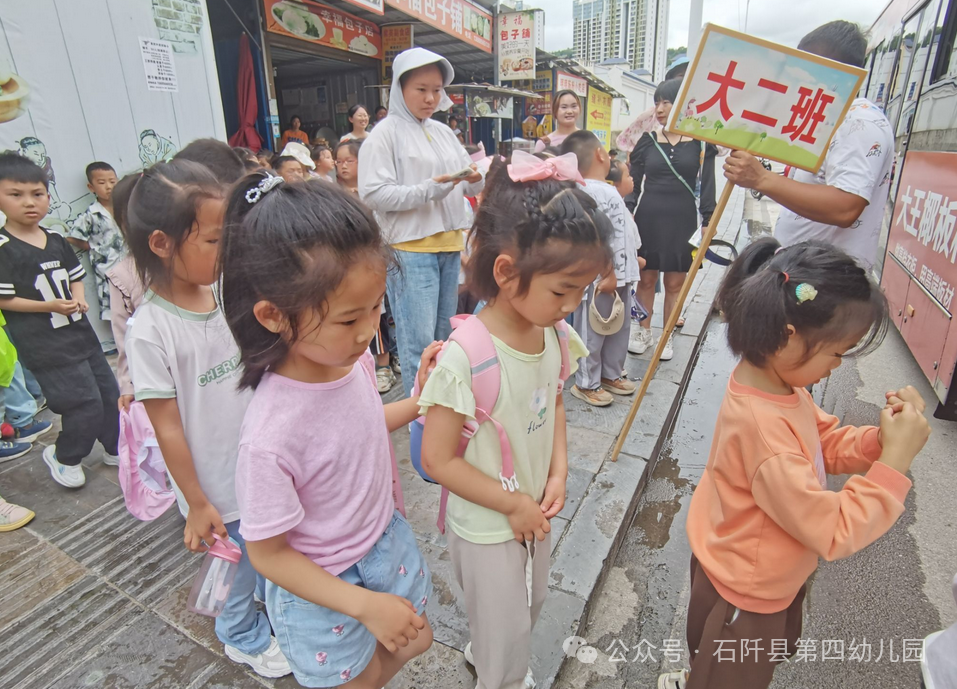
x,y
668,168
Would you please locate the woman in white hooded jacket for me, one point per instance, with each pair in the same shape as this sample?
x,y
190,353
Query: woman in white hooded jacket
x,y
405,168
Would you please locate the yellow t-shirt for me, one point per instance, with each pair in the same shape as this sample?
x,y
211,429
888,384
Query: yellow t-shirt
x,y
434,244
525,408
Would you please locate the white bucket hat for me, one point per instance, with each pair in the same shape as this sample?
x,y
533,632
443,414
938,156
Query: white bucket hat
x,y
610,325
300,153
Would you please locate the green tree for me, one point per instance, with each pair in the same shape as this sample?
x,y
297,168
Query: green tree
x,y
718,125
565,53
673,52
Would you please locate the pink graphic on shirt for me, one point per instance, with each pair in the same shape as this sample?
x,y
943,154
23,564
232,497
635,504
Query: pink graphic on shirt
x,y
402,570
421,572
424,601
321,658
345,675
338,629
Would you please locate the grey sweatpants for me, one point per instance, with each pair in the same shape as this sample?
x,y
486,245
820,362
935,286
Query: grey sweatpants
x,y
606,354
493,578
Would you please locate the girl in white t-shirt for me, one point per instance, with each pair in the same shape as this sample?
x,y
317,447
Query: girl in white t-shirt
x,y
538,241
184,367
304,271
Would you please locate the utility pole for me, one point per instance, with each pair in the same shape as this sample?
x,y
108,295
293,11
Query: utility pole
x,y
498,77
694,26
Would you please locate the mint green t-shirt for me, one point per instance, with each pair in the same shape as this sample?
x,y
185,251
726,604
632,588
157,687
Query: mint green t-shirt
x,y
525,408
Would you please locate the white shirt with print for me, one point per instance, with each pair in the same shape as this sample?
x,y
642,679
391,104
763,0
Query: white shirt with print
x,y
858,161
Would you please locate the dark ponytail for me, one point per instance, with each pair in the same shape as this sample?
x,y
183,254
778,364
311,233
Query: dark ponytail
x,y
522,216
759,299
290,245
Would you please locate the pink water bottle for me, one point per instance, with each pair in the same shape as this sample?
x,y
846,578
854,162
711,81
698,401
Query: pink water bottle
x,y
215,578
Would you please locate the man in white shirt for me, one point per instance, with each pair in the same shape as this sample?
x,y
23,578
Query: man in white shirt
x,y
843,203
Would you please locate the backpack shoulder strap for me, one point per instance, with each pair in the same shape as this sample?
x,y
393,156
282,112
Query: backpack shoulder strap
x,y
474,338
561,329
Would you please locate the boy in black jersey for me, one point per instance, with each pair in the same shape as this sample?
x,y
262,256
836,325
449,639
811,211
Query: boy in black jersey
x,y
42,297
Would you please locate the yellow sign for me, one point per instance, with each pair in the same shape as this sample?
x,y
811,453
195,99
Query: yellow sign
x,y
599,115
773,101
395,39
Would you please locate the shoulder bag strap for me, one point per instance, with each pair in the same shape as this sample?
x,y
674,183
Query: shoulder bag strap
x,y
681,179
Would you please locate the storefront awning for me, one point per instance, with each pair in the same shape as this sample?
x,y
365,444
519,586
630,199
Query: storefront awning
x,y
493,90
470,63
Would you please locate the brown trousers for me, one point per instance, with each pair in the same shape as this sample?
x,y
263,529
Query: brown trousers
x,y
732,648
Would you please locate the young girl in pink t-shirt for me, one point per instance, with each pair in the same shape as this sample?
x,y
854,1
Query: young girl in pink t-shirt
x,y
304,271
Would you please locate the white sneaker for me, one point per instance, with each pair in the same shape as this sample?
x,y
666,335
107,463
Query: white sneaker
x,y
13,516
669,351
111,460
384,379
640,339
70,477
470,659
270,663
673,680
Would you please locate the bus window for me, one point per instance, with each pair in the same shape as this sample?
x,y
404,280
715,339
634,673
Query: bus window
x,y
941,43
900,84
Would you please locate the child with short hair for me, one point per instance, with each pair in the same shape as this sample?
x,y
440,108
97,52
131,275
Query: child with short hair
x,y
42,297
95,231
538,242
600,375
346,585
185,367
762,514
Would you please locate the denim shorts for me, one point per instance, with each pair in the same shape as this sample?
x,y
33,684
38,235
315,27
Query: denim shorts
x,y
326,648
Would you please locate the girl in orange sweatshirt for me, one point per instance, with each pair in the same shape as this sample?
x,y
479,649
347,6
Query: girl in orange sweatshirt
x,y
762,514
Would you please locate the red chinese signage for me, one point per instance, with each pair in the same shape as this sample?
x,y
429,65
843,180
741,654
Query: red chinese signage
x,y
459,18
568,82
748,94
310,21
923,236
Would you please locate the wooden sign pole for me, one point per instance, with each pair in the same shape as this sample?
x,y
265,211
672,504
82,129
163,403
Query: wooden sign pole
x,y
673,318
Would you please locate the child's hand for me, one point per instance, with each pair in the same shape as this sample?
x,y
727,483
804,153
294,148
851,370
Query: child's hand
x,y
124,402
608,284
82,306
201,523
527,520
906,394
427,362
391,619
904,432
554,499
65,307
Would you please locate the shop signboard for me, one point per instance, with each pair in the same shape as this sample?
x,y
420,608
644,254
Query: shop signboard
x,y
485,105
568,82
459,18
374,6
543,81
922,235
775,102
598,120
395,39
516,45
310,21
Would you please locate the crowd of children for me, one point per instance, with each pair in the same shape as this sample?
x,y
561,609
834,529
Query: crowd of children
x,y
259,292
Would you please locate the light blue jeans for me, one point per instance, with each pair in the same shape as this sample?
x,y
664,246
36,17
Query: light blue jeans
x,y
18,403
424,296
241,625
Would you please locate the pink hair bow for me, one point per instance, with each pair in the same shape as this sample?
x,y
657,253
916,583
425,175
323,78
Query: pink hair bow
x,y
526,168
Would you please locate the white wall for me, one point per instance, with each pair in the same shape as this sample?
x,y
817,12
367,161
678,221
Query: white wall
x,y
88,95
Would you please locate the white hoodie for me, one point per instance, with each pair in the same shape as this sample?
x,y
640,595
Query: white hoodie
x,y
402,154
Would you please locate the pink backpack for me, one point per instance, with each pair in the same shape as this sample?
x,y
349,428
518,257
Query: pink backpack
x,y
474,338
142,468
